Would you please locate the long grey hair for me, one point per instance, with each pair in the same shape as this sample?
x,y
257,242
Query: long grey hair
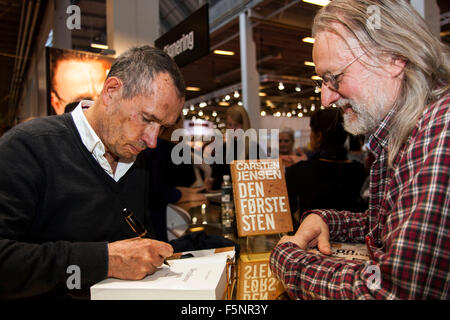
x,y
402,33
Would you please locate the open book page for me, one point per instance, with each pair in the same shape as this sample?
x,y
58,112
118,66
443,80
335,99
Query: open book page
x,y
228,252
347,251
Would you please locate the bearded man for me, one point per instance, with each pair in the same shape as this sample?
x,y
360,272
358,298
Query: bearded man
x,y
392,82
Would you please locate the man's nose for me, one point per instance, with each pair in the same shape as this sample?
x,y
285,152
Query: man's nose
x,y
150,135
329,96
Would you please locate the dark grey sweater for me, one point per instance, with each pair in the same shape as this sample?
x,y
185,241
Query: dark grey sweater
x,y
59,208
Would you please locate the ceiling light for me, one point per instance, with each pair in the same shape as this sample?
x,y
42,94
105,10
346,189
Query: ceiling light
x,y
280,86
313,107
321,3
185,111
224,52
289,114
305,110
263,113
224,103
236,94
214,114
262,94
200,113
299,106
316,77
322,108
300,115
310,64
298,88
202,104
308,40
317,89
99,46
192,89
227,97
192,108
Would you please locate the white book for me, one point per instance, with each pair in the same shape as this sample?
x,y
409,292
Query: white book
x,y
197,278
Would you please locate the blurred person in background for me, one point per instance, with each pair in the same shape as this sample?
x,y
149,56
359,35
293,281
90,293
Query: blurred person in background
x,y
356,149
236,119
286,141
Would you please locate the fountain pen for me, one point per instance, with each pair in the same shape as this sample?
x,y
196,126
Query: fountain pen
x,y
137,226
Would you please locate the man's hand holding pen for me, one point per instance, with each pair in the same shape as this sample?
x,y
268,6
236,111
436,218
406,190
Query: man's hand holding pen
x,y
137,226
133,259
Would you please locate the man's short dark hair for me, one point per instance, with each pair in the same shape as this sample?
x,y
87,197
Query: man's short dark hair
x,y
138,66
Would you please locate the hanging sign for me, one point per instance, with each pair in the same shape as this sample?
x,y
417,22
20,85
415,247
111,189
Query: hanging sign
x,y
189,40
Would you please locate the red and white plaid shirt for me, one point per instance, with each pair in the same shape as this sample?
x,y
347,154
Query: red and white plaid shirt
x,y
408,219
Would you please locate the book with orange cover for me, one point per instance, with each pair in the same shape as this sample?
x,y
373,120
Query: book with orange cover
x,y
260,197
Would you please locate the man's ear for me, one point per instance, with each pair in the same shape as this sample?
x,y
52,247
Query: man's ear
x,y
395,66
56,104
111,89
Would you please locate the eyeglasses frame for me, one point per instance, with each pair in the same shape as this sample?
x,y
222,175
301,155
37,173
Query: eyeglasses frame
x,y
333,78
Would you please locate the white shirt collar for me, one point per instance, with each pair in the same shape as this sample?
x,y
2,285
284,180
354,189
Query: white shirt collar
x,y
93,143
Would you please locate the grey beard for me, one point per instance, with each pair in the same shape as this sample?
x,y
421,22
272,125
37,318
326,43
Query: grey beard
x,y
365,121
141,144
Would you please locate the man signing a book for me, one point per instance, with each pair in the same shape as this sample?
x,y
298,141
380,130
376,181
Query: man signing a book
x,y
66,179
391,79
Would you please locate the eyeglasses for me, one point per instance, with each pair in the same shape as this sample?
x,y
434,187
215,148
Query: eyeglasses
x,y
332,80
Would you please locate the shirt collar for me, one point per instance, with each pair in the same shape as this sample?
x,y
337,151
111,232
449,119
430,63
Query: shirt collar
x,y
379,139
93,143
88,136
